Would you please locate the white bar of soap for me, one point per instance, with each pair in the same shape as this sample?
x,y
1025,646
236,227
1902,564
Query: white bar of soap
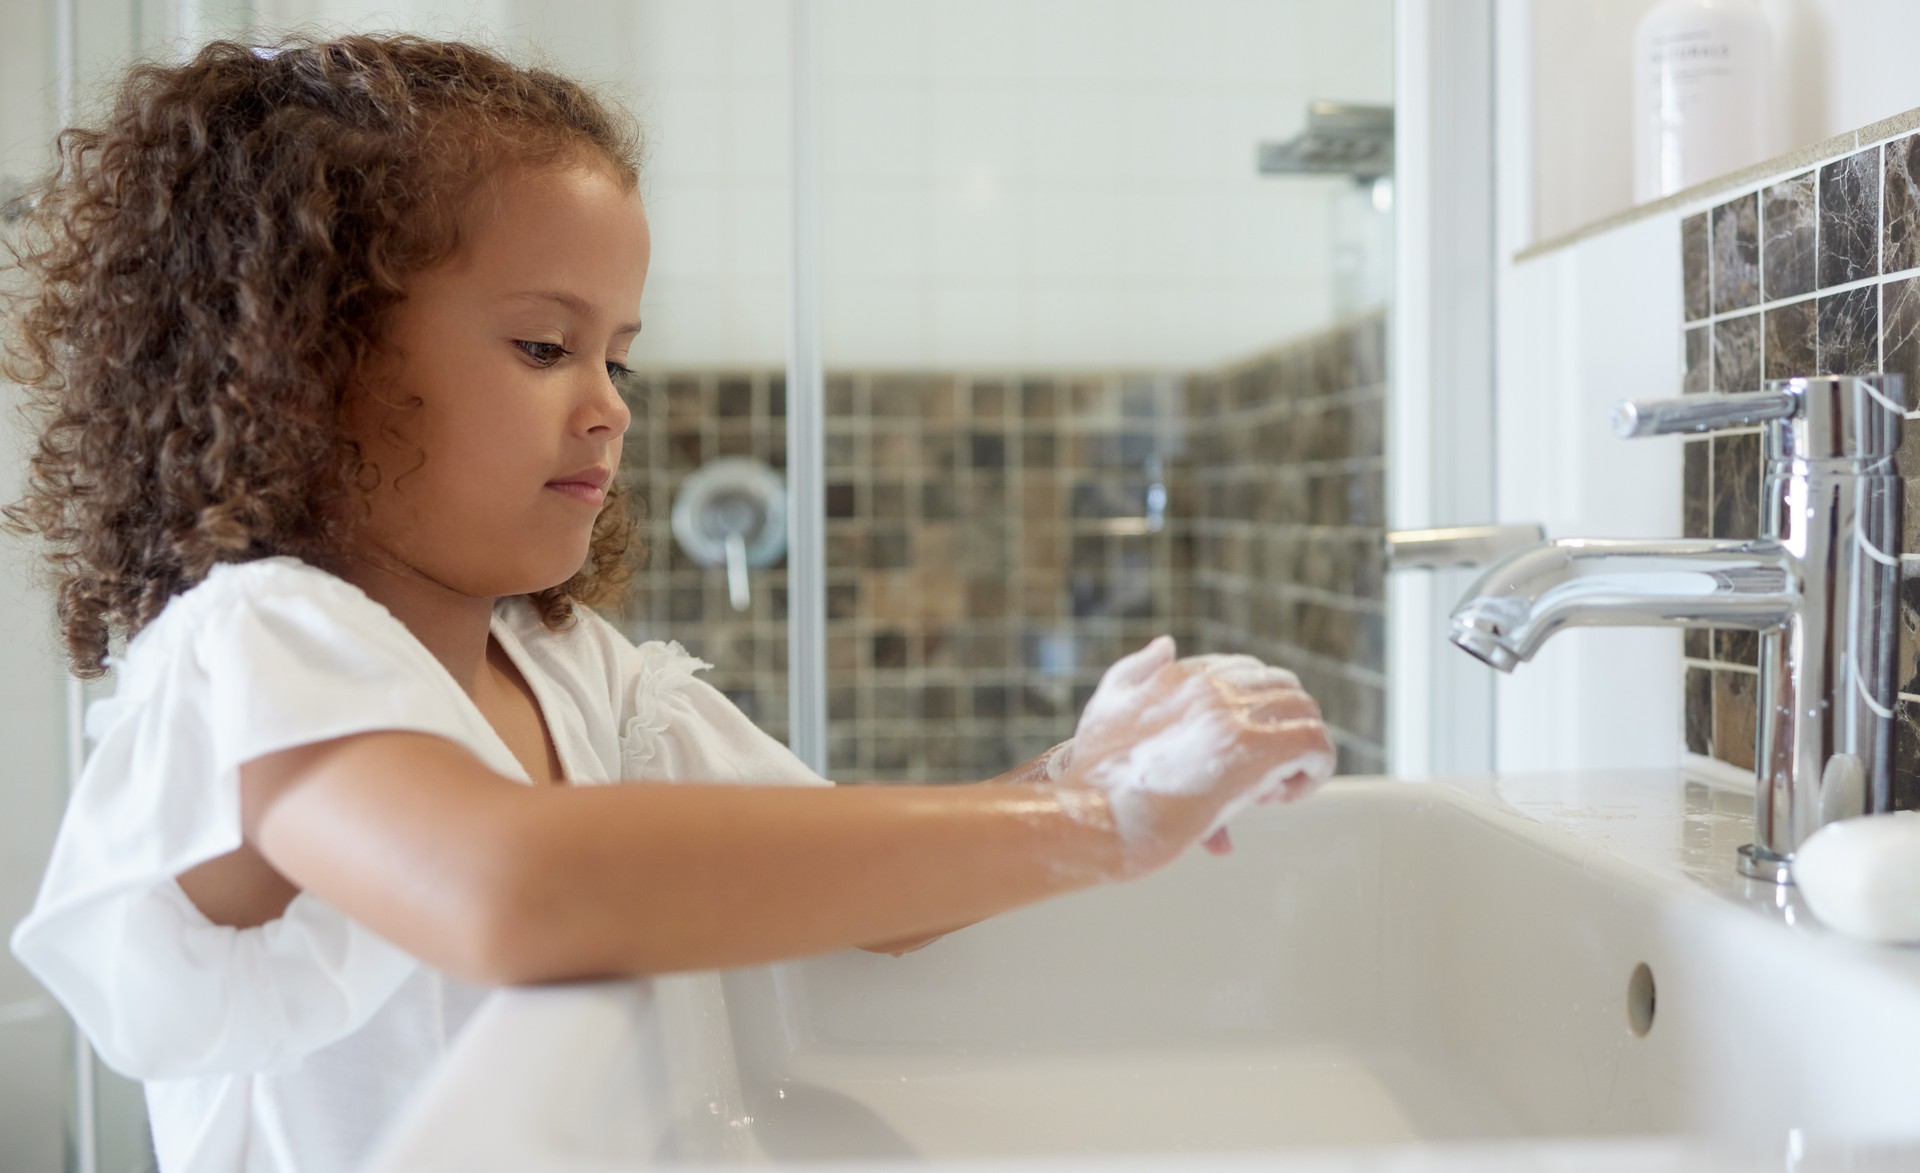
x,y
1861,876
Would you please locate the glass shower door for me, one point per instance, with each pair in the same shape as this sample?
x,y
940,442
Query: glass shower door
x,y
1092,373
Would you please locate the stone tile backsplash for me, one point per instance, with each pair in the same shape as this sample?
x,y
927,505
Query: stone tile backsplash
x,y
1814,273
988,553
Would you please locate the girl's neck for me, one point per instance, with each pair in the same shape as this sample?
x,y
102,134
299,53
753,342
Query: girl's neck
x,y
453,626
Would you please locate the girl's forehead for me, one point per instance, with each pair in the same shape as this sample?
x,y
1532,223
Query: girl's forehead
x,y
554,219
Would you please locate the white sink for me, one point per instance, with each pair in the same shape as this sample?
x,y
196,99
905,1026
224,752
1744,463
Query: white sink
x,y
1450,965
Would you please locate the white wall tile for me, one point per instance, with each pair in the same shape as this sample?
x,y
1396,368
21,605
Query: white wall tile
x,y
876,230
1084,231
979,229
1074,134
874,130
971,318
1073,317
877,322
1052,142
689,228
759,229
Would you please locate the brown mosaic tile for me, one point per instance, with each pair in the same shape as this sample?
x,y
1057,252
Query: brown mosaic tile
x,y
1734,716
1850,218
1901,240
1694,278
1900,340
1791,341
1736,490
1696,471
1849,331
1735,236
1696,372
1789,228
1906,754
1736,354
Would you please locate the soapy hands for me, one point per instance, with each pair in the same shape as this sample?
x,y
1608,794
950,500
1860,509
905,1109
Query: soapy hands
x,y
1182,746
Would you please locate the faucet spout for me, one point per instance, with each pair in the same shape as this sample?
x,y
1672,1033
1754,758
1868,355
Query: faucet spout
x,y
1522,600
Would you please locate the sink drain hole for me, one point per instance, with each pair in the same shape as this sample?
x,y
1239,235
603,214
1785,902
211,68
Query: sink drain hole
x,y
1640,1000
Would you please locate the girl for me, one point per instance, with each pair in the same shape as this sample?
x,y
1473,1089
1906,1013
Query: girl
x,y
327,340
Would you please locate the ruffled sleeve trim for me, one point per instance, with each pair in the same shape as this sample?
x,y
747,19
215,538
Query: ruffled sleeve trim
x,y
664,673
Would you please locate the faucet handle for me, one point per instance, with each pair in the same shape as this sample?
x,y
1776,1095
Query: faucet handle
x,y
1702,413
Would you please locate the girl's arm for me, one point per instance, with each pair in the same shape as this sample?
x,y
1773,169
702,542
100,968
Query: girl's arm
x,y
495,881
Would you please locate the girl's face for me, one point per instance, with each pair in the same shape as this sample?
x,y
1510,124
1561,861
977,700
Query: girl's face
x,y
490,486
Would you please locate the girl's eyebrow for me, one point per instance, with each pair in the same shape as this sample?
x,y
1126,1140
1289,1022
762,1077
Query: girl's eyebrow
x,y
569,301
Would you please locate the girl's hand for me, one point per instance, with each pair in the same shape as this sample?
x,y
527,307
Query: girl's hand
x,y
1181,747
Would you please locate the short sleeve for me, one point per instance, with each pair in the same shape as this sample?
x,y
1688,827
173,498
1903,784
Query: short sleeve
x,y
258,658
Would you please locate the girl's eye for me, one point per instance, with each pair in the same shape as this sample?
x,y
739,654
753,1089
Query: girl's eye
x,y
619,373
543,353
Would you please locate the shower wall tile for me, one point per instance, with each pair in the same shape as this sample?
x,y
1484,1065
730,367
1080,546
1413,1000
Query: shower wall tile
x,y
1735,265
1789,229
1901,243
1850,218
1736,354
1695,278
1286,453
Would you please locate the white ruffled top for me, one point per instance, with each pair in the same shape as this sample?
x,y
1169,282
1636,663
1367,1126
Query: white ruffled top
x,y
288,1046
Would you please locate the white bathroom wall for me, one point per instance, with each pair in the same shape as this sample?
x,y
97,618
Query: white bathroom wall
x,y
35,1039
1055,183
1578,329
1840,64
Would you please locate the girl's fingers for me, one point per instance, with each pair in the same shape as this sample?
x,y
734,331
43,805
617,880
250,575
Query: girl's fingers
x,y
1244,674
1220,843
1133,669
1277,712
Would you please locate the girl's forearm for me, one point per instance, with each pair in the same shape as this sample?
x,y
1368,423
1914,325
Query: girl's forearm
x,y
649,878
499,882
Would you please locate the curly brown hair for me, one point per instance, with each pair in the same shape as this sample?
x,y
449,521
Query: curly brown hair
x,y
206,272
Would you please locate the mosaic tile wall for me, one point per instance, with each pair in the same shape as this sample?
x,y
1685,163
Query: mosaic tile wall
x,y
1814,273
987,555
995,540
1289,521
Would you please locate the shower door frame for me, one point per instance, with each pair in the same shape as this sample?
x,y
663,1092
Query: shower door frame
x,y
1440,425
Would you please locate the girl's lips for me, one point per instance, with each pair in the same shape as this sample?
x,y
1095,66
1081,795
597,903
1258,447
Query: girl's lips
x,y
582,491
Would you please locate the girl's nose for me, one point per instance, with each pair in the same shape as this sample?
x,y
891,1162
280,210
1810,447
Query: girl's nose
x,y
607,409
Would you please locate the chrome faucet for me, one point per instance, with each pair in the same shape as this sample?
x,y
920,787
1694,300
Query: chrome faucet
x,y
1820,585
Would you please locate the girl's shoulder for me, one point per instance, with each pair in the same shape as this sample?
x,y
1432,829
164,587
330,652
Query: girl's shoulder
x,y
277,581
293,594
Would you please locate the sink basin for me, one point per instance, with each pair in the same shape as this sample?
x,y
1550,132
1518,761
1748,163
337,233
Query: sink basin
x,y
1512,962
